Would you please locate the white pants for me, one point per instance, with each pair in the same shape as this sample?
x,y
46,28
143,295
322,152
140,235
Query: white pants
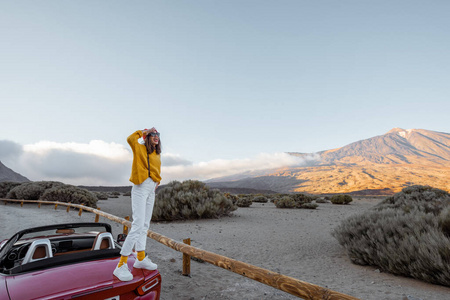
x,y
142,201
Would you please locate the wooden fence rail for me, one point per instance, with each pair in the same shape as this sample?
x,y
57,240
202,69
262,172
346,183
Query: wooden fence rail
x,y
285,283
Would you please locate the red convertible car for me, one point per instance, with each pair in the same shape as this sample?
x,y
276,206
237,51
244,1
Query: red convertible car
x,y
70,261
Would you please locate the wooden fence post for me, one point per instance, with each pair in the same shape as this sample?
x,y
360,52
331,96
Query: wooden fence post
x,y
97,216
81,210
187,260
21,204
125,228
68,207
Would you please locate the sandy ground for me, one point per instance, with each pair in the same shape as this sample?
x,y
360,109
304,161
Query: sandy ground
x,y
293,242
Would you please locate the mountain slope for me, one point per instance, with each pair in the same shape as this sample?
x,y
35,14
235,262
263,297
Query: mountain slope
x,y
6,174
383,164
398,146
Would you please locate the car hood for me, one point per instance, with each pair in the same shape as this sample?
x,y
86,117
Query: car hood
x,y
75,280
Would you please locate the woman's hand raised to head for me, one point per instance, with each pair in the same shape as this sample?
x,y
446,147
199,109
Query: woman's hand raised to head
x,y
147,131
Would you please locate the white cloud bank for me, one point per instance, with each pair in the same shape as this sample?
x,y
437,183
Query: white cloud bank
x,y
102,163
95,163
220,167
95,148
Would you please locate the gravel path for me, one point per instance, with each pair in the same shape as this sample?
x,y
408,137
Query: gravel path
x,y
293,242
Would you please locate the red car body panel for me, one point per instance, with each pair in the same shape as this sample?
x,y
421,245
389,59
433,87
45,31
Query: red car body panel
x,y
3,290
87,280
83,279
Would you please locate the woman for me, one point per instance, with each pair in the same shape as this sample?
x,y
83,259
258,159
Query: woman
x,y
145,176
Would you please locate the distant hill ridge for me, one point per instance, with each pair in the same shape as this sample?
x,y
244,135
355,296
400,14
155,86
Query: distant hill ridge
x,y
398,146
6,174
382,164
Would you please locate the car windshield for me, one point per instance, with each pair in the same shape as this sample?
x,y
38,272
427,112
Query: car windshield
x,y
52,230
60,232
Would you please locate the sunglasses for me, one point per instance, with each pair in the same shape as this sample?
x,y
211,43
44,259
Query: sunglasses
x,y
154,134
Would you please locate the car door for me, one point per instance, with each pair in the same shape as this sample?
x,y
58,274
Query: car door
x,y
3,290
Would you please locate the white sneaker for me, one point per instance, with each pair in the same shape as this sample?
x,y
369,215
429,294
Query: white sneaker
x,y
146,263
123,273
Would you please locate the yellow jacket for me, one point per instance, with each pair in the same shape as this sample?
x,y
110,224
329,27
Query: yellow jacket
x,y
139,169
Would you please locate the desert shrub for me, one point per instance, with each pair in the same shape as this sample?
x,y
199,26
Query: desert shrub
x,y
308,206
6,186
276,197
70,193
302,198
406,234
423,198
444,221
321,200
244,201
285,202
101,196
190,199
113,195
231,197
260,199
341,199
295,201
127,194
52,191
314,197
270,198
31,190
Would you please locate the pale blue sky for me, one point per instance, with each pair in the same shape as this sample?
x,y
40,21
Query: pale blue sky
x,y
224,80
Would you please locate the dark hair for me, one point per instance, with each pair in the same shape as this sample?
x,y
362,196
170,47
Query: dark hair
x,y
150,147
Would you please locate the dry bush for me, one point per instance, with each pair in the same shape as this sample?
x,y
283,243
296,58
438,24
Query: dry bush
x,y
244,201
321,200
190,199
341,199
260,199
101,195
423,198
52,191
6,186
239,200
406,234
295,201
31,190
308,205
444,221
302,198
114,194
275,197
285,202
70,194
